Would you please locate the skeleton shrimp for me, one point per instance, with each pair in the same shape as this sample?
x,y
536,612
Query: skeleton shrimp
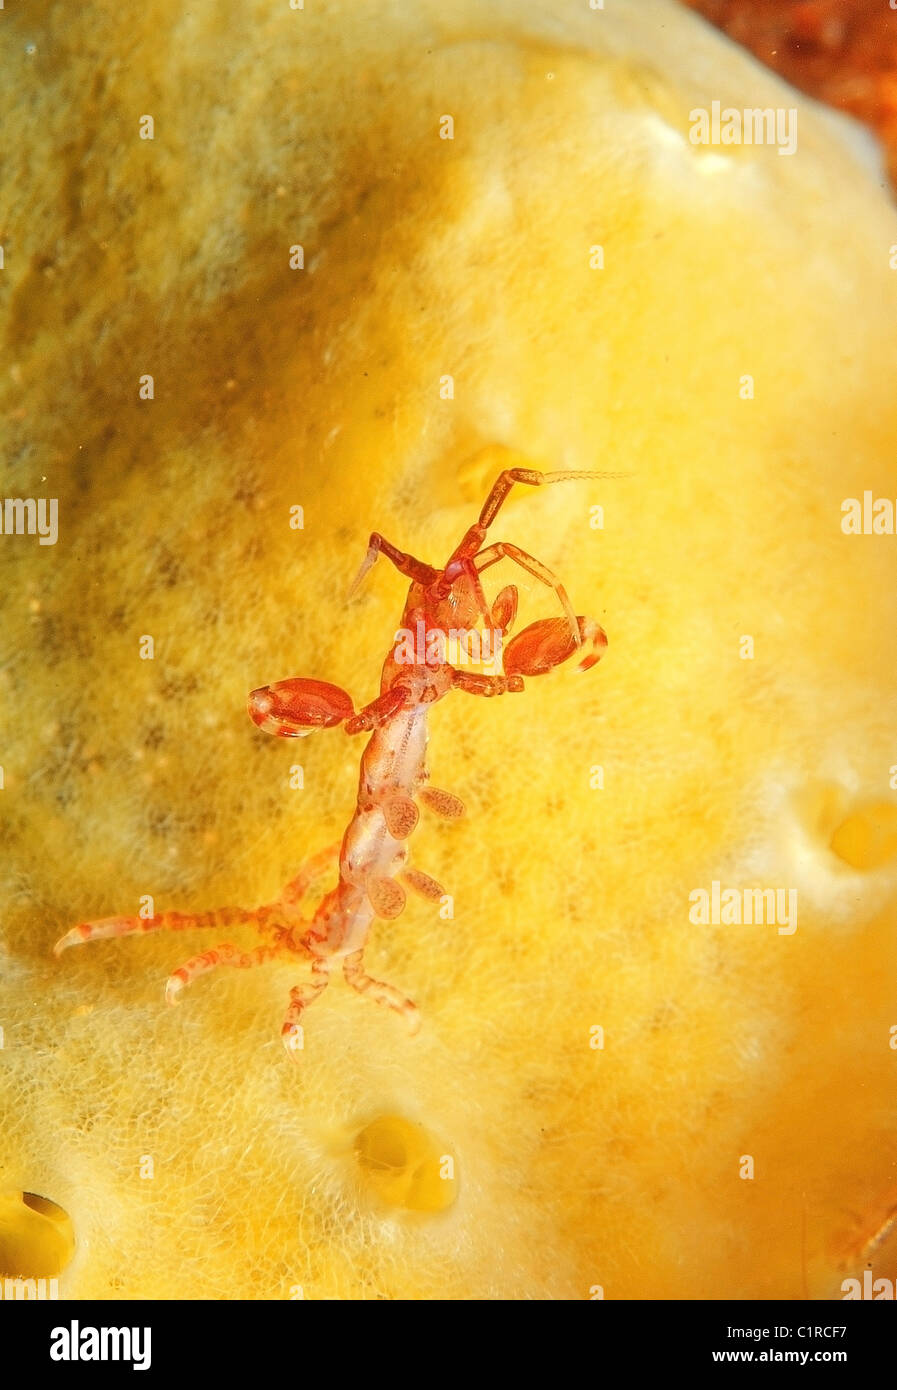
x,y
372,858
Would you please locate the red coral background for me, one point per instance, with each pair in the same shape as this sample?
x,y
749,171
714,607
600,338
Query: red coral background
x,y
843,52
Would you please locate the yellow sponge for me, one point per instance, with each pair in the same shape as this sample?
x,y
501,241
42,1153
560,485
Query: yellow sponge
x,y
370,253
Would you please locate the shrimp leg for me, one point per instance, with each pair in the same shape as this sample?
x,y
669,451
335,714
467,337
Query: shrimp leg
x,y
412,568
300,998
102,928
472,683
278,915
505,550
380,992
226,954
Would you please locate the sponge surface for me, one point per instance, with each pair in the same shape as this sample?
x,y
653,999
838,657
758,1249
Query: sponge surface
x,y
598,1066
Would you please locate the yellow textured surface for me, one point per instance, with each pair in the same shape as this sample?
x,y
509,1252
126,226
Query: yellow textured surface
x,y
37,1239
404,1167
576,1166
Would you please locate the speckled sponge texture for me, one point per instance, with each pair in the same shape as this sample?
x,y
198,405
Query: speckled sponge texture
x,y
633,1100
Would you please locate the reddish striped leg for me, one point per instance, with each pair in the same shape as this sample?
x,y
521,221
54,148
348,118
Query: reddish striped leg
x,y
105,927
504,550
315,864
412,568
473,683
300,998
225,954
380,992
279,919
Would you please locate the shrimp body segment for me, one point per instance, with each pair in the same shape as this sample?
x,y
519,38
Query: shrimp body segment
x,y
372,858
